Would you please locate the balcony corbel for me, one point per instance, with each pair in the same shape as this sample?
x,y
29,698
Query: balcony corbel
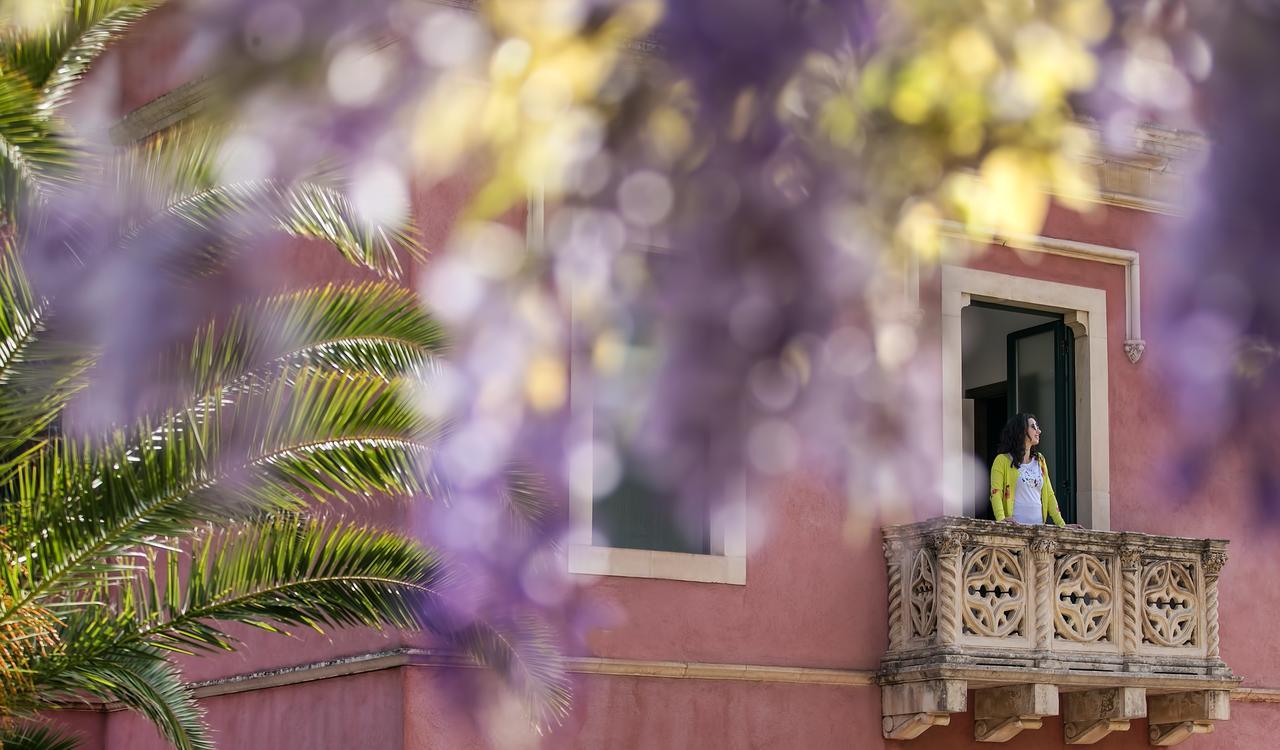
x,y
1001,713
911,708
1177,716
1090,715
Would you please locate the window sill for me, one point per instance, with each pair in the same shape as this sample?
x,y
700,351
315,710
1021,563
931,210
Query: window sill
x,y
674,566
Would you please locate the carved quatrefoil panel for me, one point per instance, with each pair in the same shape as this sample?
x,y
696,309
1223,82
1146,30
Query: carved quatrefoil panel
x,y
1085,599
923,589
995,593
1169,604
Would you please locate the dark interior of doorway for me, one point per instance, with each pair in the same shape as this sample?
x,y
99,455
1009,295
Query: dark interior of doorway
x,y
990,412
1043,384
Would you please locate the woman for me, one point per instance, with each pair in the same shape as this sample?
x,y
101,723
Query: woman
x,y
1020,488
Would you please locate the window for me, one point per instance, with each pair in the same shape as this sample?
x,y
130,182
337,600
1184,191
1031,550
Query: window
x,y
624,520
632,507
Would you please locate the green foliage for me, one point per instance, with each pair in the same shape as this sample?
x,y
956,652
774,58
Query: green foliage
x,y
125,547
34,162
41,67
34,737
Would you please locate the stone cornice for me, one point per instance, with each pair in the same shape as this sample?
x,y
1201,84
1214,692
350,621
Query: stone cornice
x,y
1152,173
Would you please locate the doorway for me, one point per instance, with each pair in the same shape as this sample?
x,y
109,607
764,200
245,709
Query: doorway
x,y
1018,360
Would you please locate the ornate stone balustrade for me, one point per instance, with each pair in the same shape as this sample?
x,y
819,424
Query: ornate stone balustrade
x,y
1102,627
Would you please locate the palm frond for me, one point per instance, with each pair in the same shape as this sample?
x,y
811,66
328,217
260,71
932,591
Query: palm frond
x,y
40,369
165,168
524,495
376,328
101,659
319,212
26,636
30,633
35,160
209,226
80,51
283,570
523,650
35,737
36,54
77,506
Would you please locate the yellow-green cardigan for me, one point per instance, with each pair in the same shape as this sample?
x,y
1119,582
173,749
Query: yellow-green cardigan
x,y
1004,477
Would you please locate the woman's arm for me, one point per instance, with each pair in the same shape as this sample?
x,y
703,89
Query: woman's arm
x,y
998,488
1048,498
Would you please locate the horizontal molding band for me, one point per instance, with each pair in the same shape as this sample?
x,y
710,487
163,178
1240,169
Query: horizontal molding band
x,y
1256,695
678,670
683,670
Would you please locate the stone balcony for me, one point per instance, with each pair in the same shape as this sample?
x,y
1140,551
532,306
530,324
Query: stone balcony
x,y
1101,627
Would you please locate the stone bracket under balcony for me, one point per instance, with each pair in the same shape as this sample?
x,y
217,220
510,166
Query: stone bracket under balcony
x,y
1031,621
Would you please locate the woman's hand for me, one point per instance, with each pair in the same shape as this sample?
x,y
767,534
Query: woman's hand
x,y
1073,526
1010,519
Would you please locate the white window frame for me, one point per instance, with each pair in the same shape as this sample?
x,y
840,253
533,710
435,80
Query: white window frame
x,y
727,561
1084,310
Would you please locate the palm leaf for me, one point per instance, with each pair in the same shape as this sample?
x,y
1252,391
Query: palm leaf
x,y
285,570
315,573
40,369
165,168
101,658
38,53
319,212
35,737
524,495
83,49
207,226
377,328
177,202
524,651
33,631
305,433
35,160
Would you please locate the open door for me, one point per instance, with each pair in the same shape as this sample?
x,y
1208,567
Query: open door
x,y
1041,381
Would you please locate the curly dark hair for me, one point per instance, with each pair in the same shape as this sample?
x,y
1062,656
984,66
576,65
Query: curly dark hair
x,y
1014,437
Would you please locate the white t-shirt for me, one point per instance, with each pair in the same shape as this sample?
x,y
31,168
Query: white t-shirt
x,y
1026,496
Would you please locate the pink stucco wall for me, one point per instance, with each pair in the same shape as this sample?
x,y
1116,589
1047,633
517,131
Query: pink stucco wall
x,y
88,726
809,591
358,711
626,713
655,713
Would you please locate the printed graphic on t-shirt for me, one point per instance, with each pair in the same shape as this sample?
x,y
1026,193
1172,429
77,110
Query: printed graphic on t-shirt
x,y
1031,476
